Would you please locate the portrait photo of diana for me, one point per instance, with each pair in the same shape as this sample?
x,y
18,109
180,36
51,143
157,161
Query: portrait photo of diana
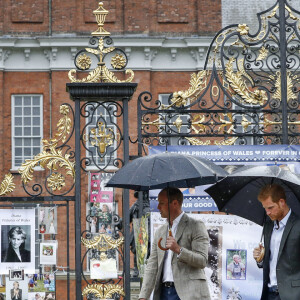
x,y
13,243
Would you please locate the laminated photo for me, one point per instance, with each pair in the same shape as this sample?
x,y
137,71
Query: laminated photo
x,y
47,217
17,235
16,289
48,253
103,269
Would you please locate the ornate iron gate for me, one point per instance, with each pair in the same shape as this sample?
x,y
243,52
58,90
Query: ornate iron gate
x,y
248,92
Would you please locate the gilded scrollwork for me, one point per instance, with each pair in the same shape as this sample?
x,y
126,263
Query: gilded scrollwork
x,y
291,79
101,73
103,291
236,82
102,242
52,157
7,185
198,83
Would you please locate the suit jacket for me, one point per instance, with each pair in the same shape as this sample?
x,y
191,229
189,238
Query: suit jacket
x,y
188,270
10,255
16,298
288,263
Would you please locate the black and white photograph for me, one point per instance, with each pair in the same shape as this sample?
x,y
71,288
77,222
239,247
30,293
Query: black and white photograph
x,y
16,274
16,290
17,240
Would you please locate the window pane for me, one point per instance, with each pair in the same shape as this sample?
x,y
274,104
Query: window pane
x,y
18,131
18,111
27,121
18,142
27,131
27,111
36,121
36,111
27,151
18,121
18,151
35,131
18,101
36,142
36,151
36,100
18,162
27,100
27,142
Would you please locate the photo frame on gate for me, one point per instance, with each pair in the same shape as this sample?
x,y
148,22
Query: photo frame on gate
x,y
17,229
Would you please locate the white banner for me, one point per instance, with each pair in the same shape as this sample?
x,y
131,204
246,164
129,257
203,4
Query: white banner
x,y
232,272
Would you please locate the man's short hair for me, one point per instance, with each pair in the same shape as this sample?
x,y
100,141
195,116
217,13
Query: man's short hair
x,y
275,191
174,194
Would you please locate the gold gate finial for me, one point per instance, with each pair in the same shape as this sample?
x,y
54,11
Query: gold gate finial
x,y
100,14
117,57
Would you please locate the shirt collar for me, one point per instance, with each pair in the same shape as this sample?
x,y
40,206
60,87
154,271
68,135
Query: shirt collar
x,y
284,220
177,220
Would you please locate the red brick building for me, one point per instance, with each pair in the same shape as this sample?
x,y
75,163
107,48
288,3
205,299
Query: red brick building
x,y
165,42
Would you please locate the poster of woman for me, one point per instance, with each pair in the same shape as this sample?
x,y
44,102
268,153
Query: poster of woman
x,y
17,237
16,290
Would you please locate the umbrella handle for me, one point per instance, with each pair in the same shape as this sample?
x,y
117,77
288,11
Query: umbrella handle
x,y
262,253
160,246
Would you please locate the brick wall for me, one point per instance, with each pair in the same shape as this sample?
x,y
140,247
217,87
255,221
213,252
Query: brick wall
x,y
157,17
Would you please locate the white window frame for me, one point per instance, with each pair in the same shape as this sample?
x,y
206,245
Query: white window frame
x,y
23,136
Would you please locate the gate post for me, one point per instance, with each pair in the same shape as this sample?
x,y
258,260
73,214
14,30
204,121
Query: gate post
x,y
98,96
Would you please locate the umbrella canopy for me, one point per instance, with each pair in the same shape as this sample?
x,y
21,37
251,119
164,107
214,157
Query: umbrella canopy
x,y
237,193
166,170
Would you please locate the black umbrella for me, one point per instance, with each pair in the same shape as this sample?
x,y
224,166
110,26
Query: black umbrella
x,y
166,169
237,193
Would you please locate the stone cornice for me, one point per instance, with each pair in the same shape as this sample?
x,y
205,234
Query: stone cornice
x,y
144,53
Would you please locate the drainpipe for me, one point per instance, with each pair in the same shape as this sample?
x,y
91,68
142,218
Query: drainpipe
x,y
50,17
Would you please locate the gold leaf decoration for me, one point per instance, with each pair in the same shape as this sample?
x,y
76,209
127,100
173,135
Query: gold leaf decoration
x,y
263,53
118,61
100,74
7,185
243,29
243,71
197,84
56,181
226,123
226,142
237,83
51,157
84,62
103,291
102,242
290,93
195,141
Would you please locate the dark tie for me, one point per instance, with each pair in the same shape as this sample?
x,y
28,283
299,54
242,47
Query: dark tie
x,y
277,224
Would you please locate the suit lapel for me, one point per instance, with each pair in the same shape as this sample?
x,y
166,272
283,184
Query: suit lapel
x,y
161,253
181,227
286,232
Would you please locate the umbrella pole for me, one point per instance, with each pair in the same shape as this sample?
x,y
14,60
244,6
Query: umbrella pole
x,y
169,219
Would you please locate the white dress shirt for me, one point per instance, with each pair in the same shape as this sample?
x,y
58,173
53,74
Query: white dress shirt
x,y
274,247
167,270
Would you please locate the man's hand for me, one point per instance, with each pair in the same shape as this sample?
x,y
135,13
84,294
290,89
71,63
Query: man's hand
x,y
142,299
258,252
172,244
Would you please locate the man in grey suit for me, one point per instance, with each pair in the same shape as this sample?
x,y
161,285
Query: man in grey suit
x,y
177,273
281,262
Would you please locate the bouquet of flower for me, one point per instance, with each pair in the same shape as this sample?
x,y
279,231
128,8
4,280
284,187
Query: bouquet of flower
x,y
140,227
